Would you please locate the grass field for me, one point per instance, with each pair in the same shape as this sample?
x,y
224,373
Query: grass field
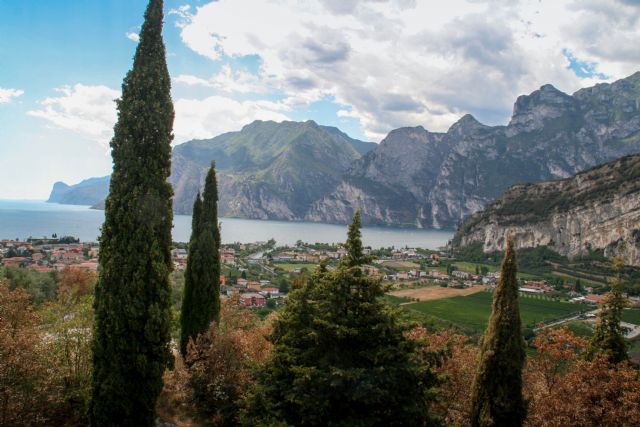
x,y
631,316
293,266
472,311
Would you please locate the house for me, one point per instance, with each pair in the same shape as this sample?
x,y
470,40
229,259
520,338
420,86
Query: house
x,y
252,299
461,274
254,286
273,292
242,282
402,275
594,299
437,274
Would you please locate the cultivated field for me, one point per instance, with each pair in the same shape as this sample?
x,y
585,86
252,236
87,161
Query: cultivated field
x,y
436,292
472,311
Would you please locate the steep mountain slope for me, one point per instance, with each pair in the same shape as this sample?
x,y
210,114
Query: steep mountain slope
x,y
596,209
88,192
551,135
267,170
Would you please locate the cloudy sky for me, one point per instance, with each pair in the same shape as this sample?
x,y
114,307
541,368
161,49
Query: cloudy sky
x,y
366,66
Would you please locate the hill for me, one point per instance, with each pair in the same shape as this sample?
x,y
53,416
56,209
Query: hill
x,y
87,192
596,209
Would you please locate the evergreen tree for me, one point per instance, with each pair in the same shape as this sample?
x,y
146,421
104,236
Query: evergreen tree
x,y
132,297
608,335
355,253
341,357
190,275
497,389
201,303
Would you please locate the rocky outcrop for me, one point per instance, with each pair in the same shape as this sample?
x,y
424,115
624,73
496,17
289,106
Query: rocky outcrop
x,y
87,192
596,209
438,184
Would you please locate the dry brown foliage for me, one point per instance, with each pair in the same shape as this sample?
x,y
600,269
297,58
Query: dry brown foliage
x,y
21,368
220,362
74,283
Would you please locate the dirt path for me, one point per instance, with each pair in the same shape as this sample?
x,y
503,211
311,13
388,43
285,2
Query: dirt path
x,y
437,292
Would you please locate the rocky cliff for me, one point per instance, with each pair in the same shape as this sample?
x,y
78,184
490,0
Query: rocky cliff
x,y
423,179
595,209
87,192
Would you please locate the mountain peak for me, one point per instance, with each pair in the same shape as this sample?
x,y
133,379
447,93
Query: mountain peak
x,y
530,111
465,125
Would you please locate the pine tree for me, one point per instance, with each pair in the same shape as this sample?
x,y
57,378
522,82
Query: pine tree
x,y
132,297
341,357
497,389
608,335
355,253
201,302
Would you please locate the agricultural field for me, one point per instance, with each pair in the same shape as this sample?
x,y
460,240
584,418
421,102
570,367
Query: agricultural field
x,y
631,316
472,311
436,292
293,266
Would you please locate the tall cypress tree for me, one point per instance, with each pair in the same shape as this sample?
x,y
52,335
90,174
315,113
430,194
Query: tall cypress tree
x,y
132,297
201,303
190,275
497,389
608,335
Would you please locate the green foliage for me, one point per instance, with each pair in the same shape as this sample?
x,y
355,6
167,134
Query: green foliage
x,y
608,335
341,357
355,253
132,297
471,312
201,303
497,389
40,286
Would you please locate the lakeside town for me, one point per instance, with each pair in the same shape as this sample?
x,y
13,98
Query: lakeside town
x,y
261,271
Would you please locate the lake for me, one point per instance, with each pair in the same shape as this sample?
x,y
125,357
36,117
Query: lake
x,y
27,218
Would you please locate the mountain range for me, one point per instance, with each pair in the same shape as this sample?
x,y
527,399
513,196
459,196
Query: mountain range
x,y
596,209
414,177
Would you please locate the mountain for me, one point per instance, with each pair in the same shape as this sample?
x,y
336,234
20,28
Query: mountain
x,y
595,209
267,170
424,179
88,192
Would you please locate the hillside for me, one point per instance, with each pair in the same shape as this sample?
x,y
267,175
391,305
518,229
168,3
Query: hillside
x,y
423,179
596,209
267,170
88,192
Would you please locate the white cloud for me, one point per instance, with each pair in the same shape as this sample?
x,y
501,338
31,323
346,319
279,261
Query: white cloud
x,y
204,118
402,62
90,112
227,80
6,94
86,110
133,36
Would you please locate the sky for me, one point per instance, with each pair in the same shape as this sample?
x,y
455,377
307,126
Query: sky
x,y
365,66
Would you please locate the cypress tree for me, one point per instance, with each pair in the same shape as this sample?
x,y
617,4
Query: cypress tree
x,y
201,302
608,335
190,275
132,298
497,389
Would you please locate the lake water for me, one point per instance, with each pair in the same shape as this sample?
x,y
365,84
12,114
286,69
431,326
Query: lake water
x,y
21,219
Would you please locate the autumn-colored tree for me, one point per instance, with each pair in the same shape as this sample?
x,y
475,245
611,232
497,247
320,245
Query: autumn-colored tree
x,y
75,283
497,389
455,360
21,367
220,362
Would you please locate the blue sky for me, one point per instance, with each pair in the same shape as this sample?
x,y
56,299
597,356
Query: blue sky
x,y
366,67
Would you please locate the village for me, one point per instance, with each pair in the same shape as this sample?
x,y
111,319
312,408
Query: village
x,y
260,274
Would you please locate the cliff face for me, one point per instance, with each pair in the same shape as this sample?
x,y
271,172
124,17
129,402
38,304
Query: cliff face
x,y
88,192
267,170
596,209
451,175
